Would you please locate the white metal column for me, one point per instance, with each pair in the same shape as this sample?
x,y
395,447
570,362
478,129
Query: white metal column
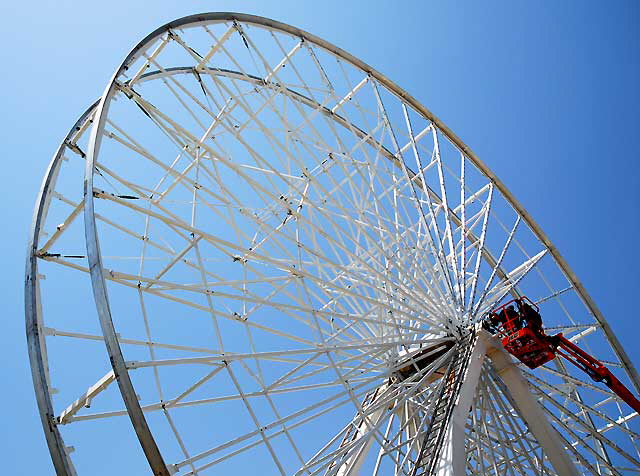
x,y
411,420
453,458
530,410
366,428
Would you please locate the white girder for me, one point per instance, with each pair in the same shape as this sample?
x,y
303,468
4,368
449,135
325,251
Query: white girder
x,y
370,256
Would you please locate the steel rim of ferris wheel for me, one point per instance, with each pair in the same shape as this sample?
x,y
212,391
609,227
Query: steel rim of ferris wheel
x,y
424,305
57,223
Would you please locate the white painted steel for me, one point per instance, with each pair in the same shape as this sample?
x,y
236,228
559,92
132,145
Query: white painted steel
x,y
453,460
36,336
531,411
314,218
283,230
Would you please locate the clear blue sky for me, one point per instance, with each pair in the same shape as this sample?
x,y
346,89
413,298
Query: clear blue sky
x,y
546,93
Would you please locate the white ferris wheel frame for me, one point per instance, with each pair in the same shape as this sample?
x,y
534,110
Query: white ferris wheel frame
x,y
121,371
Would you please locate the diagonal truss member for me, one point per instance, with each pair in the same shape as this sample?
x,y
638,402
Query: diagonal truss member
x,y
442,450
448,456
438,430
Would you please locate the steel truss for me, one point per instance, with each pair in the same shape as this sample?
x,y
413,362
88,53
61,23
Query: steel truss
x,y
276,231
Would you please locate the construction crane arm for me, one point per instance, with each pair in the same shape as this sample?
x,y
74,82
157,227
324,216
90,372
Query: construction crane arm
x,y
592,367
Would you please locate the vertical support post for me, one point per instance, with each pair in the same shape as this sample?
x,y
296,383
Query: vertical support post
x,y
352,465
411,419
530,410
453,457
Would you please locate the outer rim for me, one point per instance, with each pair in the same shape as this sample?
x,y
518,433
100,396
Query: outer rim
x,y
35,344
571,276
36,349
54,439
93,249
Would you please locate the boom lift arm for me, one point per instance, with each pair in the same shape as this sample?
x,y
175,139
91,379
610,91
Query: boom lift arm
x,y
523,337
593,368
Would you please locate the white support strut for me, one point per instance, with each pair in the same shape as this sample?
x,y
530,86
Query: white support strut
x,y
453,458
530,409
365,425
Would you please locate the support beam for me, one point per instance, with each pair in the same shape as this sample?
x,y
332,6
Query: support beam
x,y
530,409
85,399
411,419
453,459
365,428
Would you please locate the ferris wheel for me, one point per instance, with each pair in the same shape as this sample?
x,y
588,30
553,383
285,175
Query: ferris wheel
x,y
291,264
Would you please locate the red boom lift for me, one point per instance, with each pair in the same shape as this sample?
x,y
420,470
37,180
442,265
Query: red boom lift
x,y
520,325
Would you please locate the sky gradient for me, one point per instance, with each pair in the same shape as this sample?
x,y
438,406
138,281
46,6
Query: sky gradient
x,y
545,94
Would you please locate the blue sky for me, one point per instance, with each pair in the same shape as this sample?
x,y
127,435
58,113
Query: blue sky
x,y
544,92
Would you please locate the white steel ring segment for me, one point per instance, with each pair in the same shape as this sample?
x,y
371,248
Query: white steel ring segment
x,y
94,257
35,335
203,18
41,212
34,325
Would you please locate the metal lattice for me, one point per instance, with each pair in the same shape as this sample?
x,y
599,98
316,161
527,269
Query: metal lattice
x,y
284,250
